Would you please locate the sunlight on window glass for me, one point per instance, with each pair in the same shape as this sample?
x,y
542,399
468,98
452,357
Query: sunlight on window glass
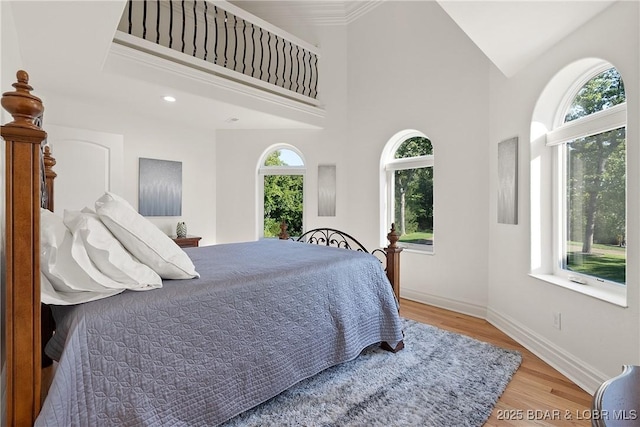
x,y
595,187
283,201
596,212
414,147
601,92
414,205
283,192
283,157
413,195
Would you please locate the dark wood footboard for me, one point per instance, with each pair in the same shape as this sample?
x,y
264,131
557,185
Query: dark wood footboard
x,y
385,346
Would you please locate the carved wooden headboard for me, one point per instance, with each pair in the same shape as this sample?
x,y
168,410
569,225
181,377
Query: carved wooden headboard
x,y
21,318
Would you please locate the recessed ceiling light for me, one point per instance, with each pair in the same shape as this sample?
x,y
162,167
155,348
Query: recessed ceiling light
x,y
232,119
169,98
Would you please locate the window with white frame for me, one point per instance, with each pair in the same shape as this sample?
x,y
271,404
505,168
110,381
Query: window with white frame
x,y
281,191
408,189
589,198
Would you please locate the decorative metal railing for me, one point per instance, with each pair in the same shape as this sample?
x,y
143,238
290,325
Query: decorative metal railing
x,y
334,238
226,36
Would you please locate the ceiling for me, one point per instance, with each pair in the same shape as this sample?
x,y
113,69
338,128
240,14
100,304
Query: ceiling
x,y
309,12
512,33
87,69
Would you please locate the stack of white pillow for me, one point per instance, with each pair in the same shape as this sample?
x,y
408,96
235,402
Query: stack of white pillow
x,y
87,255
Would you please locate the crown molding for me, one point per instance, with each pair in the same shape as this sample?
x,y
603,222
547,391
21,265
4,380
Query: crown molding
x,y
357,9
312,12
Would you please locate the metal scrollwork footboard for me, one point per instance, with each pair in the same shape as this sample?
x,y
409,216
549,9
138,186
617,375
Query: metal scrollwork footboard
x,y
340,239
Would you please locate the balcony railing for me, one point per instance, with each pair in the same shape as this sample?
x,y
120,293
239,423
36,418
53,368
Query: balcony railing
x,y
233,42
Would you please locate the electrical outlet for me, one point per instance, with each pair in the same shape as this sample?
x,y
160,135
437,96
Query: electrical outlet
x,y
557,320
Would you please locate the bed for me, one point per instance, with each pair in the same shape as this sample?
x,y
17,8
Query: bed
x,y
260,317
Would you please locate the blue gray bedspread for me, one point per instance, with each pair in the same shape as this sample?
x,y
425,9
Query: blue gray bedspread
x,y
262,316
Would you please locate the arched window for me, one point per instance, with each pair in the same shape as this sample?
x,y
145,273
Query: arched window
x,y
281,190
407,189
589,186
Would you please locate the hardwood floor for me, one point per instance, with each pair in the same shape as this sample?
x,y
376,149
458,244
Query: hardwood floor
x,y
537,394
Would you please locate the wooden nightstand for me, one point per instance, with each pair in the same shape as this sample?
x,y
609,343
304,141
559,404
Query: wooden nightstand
x,y
187,242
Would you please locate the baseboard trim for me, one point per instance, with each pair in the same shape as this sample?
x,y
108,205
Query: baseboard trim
x,y
581,373
470,309
584,375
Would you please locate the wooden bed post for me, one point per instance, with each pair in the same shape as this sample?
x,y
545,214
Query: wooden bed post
x,y
393,260
49,175
284,235
21,285
48,324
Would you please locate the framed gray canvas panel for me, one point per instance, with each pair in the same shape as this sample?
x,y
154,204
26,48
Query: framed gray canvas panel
x,y
160,187
326,190
508,181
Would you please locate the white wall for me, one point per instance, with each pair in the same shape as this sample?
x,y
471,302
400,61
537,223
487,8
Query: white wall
x,y
411,67
374,84
144,135
238,153
596,337
10,60
406,65
147,137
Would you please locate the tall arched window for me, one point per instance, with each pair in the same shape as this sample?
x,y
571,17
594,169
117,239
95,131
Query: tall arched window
x,y
589,139
407,189
281,190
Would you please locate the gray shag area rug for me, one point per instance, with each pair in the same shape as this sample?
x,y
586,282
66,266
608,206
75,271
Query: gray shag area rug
x,y
439,379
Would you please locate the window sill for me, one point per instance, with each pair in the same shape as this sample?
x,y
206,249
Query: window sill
x,y
414,250
612,297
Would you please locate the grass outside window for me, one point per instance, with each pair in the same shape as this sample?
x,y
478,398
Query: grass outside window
x,y
605,262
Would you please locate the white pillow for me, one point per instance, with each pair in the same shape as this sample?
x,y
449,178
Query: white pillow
x,y
65,263
49,295
106,252
143,239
